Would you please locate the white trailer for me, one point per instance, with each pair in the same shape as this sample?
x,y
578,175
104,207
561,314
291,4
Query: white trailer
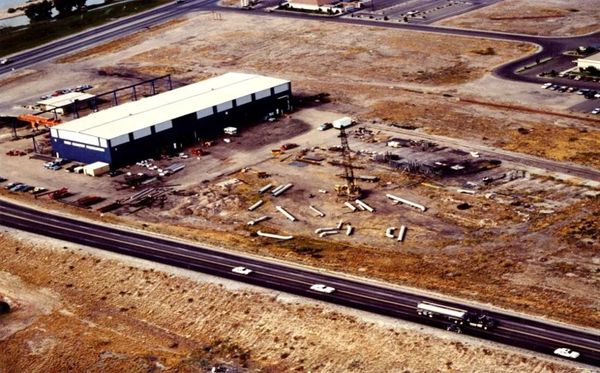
x,y
342,123
432,309
96,168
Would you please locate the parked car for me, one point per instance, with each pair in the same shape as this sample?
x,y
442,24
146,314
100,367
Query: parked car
x,y
12,185
546,85
596,111
19,188
325,126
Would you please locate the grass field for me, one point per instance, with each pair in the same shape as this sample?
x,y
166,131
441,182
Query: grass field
x,y
15,39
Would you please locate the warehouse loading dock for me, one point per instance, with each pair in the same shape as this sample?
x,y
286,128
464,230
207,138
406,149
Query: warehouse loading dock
x,y
165,123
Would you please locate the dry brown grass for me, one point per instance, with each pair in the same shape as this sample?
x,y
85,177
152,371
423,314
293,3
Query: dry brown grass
x,y
550,17
116,45
315,50
111,315
497,127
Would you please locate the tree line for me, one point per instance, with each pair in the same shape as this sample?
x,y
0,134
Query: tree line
x,y
43,10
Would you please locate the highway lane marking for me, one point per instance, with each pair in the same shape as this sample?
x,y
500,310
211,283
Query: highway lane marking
x,y
179,255
548,338
550,331
121,241
156,250
97,228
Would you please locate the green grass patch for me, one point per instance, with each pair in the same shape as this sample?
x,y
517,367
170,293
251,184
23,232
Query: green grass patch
x,y
15,39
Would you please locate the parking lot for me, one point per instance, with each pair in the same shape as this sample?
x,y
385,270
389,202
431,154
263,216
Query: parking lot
x,y
591,97
420,11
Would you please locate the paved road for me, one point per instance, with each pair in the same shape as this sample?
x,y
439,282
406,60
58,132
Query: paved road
x,y
549,45
106,32
511,329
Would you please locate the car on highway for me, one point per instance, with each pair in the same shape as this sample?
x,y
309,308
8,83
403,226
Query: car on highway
x,y
322,288
5,61
242,270
566,352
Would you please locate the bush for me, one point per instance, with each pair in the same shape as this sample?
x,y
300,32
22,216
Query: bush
x,y
39,11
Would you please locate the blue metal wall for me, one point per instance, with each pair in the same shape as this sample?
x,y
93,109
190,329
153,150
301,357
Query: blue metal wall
x,y
76,153
186,130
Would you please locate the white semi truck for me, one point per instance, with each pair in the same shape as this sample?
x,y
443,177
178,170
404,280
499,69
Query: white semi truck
x,y
457,316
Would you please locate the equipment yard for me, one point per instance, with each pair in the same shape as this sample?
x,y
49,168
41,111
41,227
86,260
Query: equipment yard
x,y
401,161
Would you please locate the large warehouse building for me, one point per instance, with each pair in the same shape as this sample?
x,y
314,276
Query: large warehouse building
x,y
164,123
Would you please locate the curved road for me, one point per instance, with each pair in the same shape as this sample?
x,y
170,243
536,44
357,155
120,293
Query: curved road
x,y
549,46
511,329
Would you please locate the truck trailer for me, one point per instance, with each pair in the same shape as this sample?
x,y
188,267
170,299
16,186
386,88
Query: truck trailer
x,y
342,123
458,316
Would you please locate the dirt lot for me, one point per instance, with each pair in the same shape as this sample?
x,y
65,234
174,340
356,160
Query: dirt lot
x,y
522,212
550,17
403,83
518,237
80,309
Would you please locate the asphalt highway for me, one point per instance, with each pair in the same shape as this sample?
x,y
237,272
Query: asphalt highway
x,y
511,329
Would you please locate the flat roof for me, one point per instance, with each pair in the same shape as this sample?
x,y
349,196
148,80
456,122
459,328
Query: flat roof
x,y
66,99
594,57
136,115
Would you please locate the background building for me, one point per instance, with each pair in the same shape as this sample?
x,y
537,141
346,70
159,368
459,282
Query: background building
x,y
66,103
593,60
166,122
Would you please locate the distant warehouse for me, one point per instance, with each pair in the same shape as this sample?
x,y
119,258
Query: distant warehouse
x,y
164,123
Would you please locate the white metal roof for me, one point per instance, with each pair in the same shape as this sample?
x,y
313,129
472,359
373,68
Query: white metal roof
x,y
454,312
594,57
66,99
136,115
